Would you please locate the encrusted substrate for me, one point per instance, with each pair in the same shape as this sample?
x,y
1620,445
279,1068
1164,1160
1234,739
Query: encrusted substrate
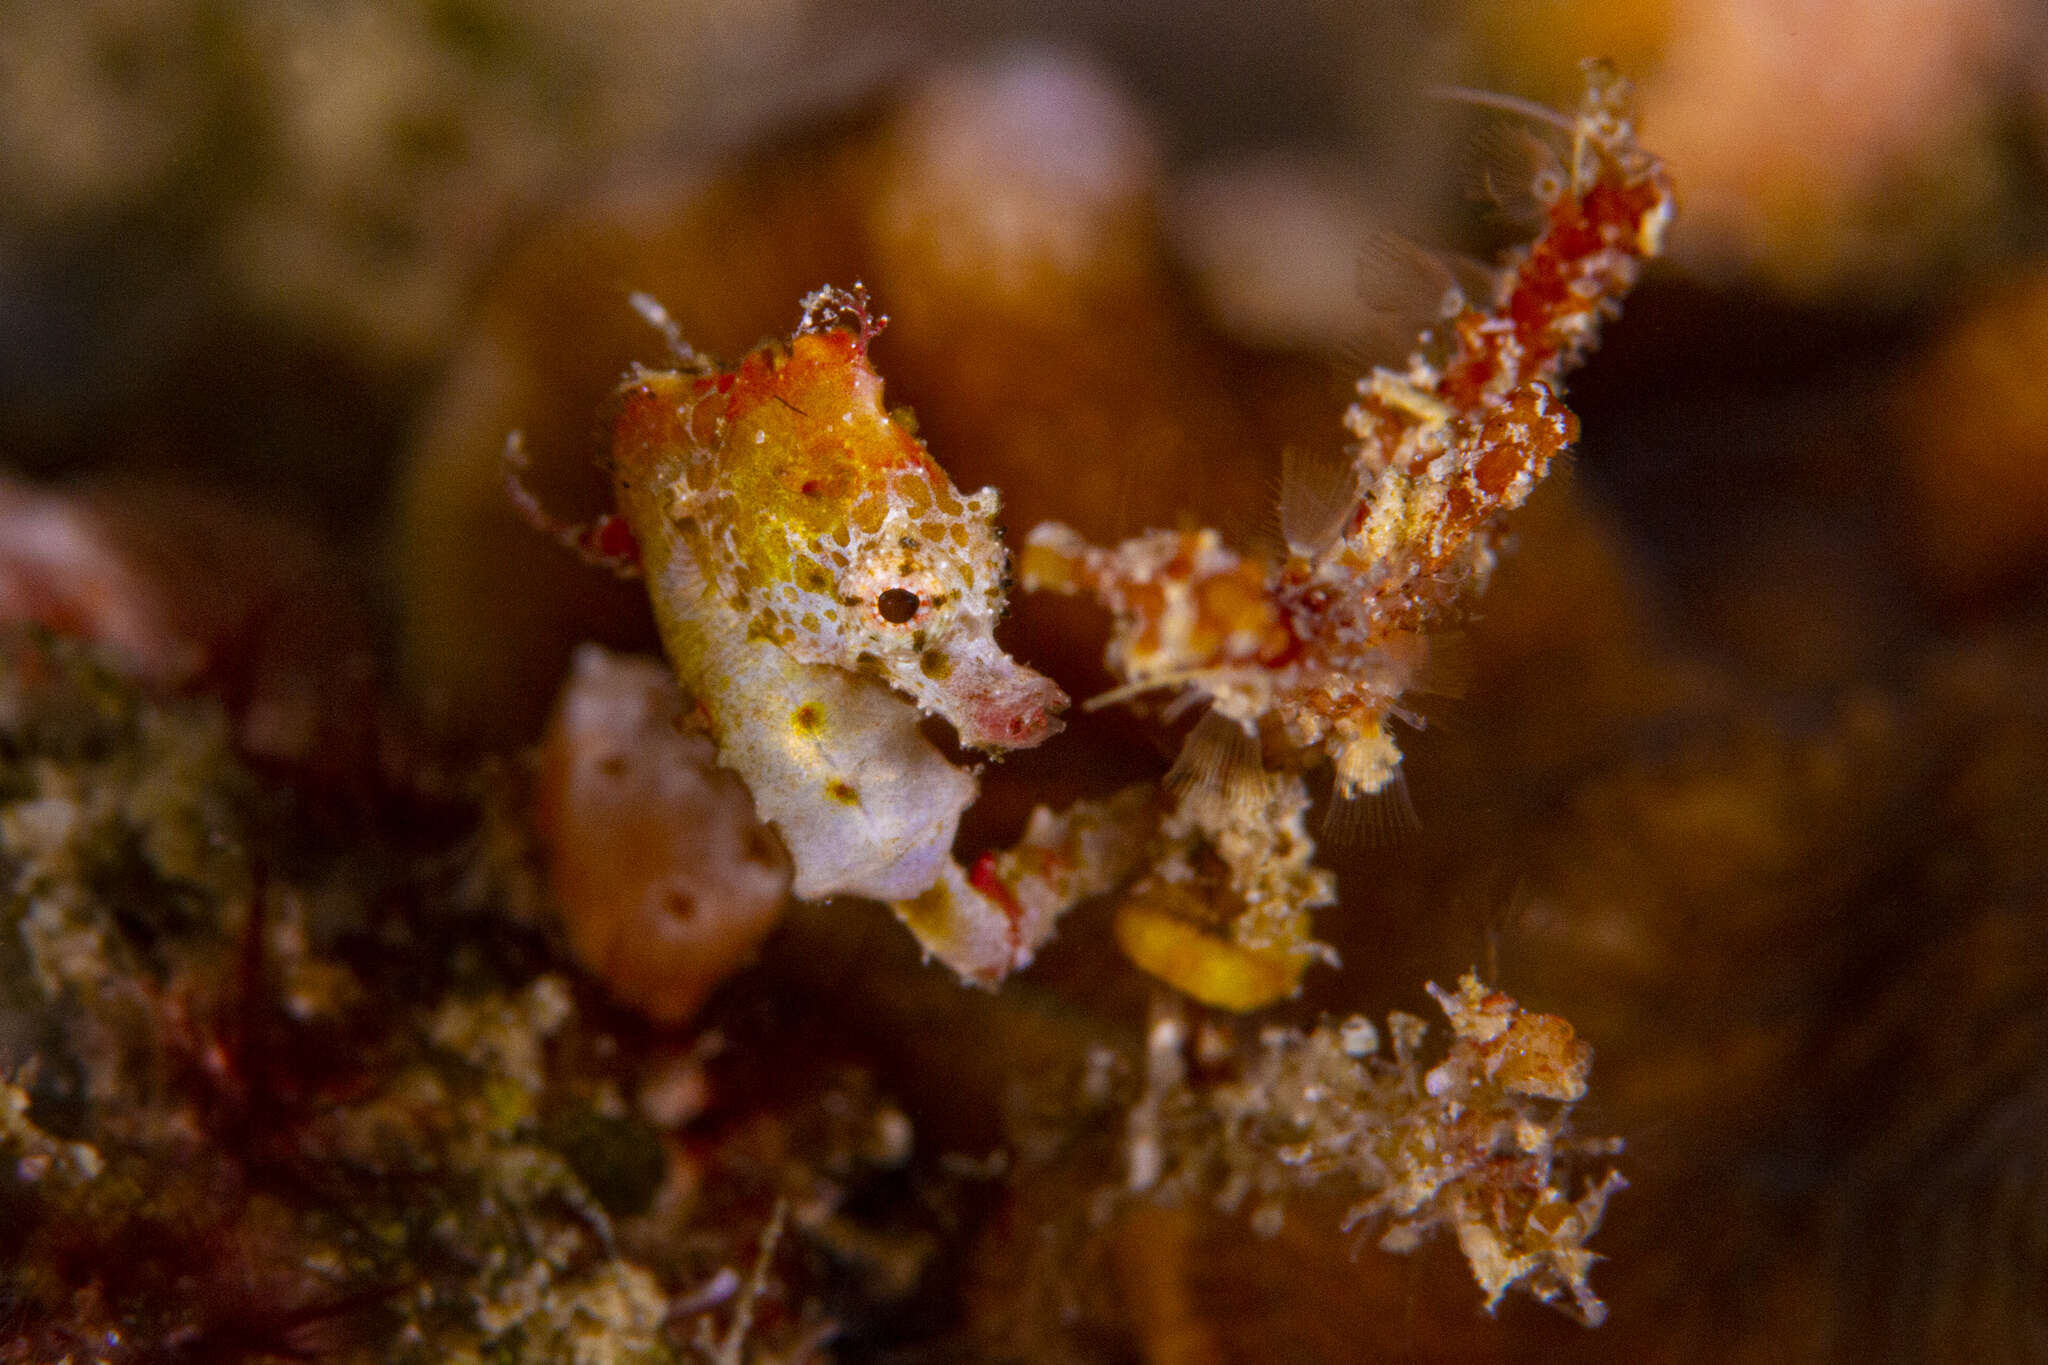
x,y
269,1094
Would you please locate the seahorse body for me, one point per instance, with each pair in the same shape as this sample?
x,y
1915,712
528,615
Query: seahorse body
x,y
805,556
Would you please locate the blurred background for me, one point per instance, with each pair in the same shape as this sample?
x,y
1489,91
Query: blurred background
x,y
1746,776
237,238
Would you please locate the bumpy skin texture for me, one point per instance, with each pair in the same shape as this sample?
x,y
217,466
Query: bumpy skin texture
x,y
821,519
810,567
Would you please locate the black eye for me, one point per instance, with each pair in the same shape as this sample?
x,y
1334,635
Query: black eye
x,y
896,605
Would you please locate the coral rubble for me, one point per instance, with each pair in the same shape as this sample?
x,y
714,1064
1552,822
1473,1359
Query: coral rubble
x,y
248,1117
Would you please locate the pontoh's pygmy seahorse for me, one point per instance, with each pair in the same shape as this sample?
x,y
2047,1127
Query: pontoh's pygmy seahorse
x,y
818,582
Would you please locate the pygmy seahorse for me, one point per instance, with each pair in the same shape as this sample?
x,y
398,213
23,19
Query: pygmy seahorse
x,y
818,581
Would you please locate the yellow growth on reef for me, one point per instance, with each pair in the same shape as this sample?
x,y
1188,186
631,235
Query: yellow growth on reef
x,y
1306,658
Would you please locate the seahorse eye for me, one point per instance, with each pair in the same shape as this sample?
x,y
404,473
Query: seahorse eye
x,y
896,605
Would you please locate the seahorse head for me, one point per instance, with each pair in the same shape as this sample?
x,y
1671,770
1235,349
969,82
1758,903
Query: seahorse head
x,y
822,518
